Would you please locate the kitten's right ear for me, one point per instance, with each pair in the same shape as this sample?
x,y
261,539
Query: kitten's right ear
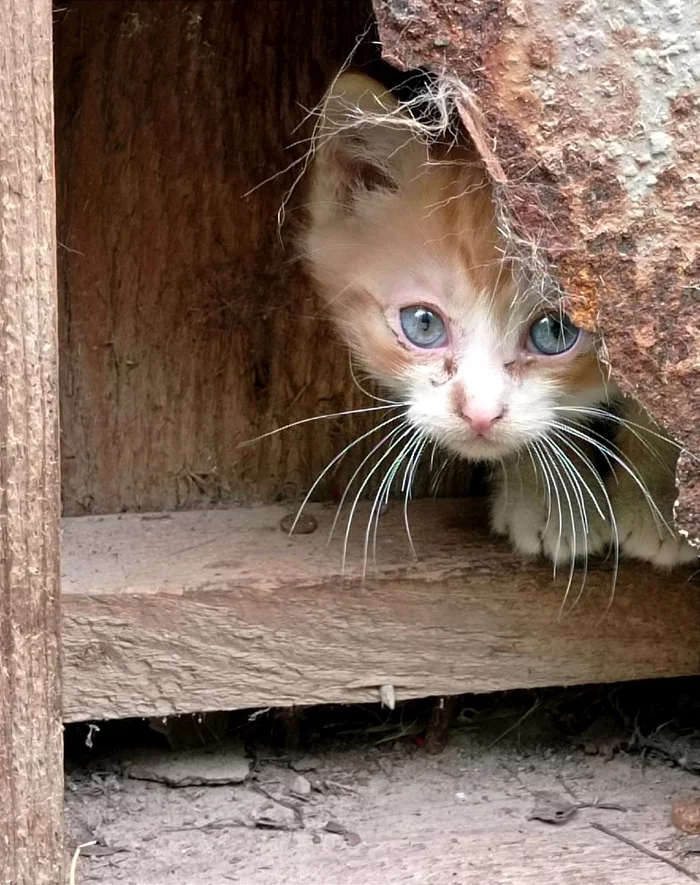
x,y
362,144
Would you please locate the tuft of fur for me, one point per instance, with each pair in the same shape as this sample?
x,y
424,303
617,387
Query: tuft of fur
x,y
402,213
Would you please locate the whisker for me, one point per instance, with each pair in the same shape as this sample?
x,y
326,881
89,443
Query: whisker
x,y
573,537
364,484
586,428
383,493
320,418
442,469
652,450
613,521
381,499
602,413
394,432
591,466
584,485
366,392
553,486
337,458
432,456
578,485
505,479
548,487
627,467
413,466
534,470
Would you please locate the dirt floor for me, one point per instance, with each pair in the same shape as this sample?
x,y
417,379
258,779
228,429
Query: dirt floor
x,y
515,796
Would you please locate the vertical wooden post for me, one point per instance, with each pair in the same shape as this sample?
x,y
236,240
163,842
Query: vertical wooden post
x,y
31,782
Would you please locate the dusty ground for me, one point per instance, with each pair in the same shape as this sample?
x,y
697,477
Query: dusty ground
x,y
373,806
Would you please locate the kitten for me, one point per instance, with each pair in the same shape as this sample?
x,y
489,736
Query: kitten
x,y
404,246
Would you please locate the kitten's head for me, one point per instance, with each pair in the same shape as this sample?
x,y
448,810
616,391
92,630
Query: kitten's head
x,y
404,245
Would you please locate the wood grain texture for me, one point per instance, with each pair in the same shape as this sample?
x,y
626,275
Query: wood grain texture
x,y
31,773
187,327
221,610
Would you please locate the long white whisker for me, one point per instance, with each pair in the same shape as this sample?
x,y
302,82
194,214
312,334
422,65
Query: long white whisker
x,y
364,484
551,484
390,436
591,466
611,416
628,468
613,521
432,456
573,537
653,451
505,479
570,471
442,469
578,485
534,470
366,392
320,418
572,467
384,490
382,495
548,487
413,466
337,458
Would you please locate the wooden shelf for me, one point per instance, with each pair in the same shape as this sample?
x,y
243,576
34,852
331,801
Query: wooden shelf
x,y
197,611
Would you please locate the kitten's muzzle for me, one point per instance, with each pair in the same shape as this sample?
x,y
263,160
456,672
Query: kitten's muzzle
x,y
481,418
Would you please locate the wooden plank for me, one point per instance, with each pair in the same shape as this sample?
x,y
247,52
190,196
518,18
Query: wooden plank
x,y
31,772
221,609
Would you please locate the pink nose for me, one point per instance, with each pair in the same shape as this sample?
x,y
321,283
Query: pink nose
x,y
481,419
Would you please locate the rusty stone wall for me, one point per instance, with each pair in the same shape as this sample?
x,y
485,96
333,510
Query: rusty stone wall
x,y
591,122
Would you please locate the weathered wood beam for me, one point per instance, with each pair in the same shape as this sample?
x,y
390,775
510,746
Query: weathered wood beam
x,y
220,610
31,772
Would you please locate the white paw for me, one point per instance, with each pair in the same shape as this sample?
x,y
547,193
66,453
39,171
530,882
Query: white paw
x,y
575,541
642,538
535,529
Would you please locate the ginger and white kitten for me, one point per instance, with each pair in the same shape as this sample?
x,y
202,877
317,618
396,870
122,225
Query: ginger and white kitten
x,y
404,245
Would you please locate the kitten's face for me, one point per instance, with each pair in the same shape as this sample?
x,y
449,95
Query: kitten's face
x,y
407,255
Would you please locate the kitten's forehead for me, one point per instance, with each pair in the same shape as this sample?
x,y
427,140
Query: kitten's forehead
x,y
446,253
432,239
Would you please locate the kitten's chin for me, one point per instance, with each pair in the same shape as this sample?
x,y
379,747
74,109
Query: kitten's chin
x,y
482,450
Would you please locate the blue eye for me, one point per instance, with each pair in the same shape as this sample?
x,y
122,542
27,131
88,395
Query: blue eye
x,y
423,326
553,334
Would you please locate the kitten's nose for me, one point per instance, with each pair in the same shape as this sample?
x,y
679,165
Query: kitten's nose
x,y
482,418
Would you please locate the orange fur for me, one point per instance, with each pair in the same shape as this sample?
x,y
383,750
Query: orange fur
x,y
439,213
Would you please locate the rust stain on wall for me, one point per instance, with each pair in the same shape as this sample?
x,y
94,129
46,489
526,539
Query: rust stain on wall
x,y
591,109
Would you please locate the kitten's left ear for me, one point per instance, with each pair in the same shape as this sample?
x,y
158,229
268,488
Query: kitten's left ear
x,y
363,143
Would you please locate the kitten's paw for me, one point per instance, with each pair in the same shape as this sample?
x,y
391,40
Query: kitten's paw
x,y
535,530
574,542
521,523
642,538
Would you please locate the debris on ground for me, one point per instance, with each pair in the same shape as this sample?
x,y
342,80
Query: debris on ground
x,y
210,766
644,850
300,786
441,717
604,737
306,763
359,802
554,809
339,830
685,815
691,845
273,816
